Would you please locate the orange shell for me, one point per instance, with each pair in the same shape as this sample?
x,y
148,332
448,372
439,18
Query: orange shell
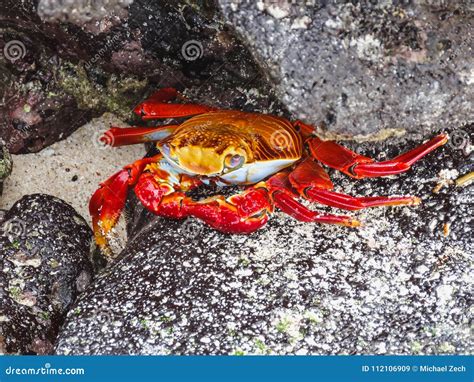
x,y
267,137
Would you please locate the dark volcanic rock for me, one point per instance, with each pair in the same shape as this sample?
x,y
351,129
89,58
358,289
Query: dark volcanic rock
x,y
35,108
44,258
363,66
400,284
65,62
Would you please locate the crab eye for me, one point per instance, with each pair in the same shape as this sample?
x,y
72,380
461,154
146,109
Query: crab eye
x,y
167,152
165,149
234,161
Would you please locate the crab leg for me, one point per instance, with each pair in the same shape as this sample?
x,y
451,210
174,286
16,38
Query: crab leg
x,y
156,106
284,199
162,191
313,183
296,210
106,205
359,166
117,136
305,130
241,213
108,201
351,203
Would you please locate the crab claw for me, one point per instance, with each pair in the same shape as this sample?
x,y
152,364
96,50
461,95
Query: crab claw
x,y
242,213
106,205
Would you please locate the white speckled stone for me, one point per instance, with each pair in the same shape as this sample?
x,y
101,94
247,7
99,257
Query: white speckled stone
x,y
45,263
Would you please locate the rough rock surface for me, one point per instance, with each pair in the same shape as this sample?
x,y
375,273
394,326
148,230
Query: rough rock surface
x,y
44,258
35,109
83,13
6,164
357,69
363,67
401,284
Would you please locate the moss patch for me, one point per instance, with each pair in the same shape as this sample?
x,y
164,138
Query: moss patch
x,y
118,95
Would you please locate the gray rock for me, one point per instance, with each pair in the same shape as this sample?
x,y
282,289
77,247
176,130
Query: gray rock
x,y
44,258
83,13
401,284
355,69
360,68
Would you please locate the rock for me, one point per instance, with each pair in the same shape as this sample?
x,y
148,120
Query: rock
x,y
365,68
44,257
35,109
68,62
401,284
6,164
356,69
83,13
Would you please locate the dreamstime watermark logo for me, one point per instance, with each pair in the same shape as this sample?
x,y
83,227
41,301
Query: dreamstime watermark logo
x,y
102,315
14,50
109,45
360,149
14,228
192,50
191,228
103,139
47,369
281,140
459,139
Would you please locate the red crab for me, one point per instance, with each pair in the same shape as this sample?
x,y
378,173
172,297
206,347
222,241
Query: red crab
x,y
278,161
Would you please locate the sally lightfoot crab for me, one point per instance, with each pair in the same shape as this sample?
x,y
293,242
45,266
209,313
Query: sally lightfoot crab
x,y
277,161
